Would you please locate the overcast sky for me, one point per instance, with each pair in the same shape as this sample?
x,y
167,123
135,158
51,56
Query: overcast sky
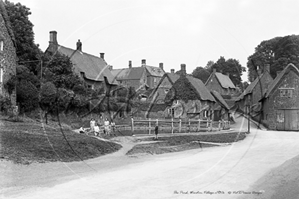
x,y
168,31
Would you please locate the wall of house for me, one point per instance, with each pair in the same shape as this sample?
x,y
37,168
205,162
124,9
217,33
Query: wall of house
x,y
8,60
191,109
273,106
214,85
162,91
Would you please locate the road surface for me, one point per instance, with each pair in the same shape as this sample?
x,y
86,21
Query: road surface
x,y
216,172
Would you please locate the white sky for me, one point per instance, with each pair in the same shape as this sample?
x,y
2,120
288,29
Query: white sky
x,y
168,31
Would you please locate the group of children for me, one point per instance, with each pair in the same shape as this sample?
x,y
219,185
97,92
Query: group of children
x,y
95,127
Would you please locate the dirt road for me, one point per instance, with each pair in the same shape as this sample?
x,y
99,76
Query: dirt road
x,y
217,172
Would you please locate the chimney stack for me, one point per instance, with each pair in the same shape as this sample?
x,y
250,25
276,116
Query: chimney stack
x,y
53,37
214,70
259,71
183,69
228,74
102,56
161,66
172,71
143,62
79,45
130,64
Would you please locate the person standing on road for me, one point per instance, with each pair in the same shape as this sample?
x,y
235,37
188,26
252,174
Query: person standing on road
x,y
106,126
156,132
92,124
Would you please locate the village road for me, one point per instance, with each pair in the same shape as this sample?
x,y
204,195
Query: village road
x,y
216,172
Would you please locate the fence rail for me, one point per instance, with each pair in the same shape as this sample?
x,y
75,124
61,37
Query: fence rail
x,y
175,125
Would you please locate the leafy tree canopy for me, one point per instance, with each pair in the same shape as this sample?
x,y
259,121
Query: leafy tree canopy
x,y
201,73
277,52
231,67
27,51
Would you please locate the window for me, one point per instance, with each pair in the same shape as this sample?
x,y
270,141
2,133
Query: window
x,y
1,45
286,92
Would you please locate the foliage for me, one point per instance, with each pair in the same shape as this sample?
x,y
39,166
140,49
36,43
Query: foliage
x,y
27,51
201,73
27,96
5,104
182,90
277,52
231,67
10,85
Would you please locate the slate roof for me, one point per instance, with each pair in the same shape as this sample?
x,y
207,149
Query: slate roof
x,y
220,99
200,88
286,70
250,88
224,80
136,72
94,68
155,71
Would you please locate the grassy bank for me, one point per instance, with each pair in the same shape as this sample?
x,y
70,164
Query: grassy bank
x,y
184,142
30,141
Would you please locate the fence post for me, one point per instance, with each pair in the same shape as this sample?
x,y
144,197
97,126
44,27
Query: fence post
x,y
132,125
189,125
149,126
199,125
219,125
211,122
172,126
180,125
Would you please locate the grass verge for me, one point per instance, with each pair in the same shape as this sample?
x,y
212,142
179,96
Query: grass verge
x,y
27,142
170,144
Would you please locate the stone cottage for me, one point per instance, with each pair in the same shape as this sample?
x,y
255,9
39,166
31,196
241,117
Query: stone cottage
x,y
220,83
8,57
255,91
189,98
143,77
159,93
92,69
280,104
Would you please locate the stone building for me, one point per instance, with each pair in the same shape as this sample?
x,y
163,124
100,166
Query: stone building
x,y
92,69
189,98
143,77
280,104
220,83
255,91
8,57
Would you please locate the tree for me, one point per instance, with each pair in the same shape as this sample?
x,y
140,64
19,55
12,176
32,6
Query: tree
x,y
231,67
201,73
27,51
277,52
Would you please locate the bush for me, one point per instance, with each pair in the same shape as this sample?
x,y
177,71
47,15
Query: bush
x,y
5,104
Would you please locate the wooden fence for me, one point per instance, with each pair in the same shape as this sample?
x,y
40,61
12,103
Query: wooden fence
x,y
175,125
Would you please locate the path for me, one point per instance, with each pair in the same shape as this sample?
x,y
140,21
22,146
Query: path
x,y
225,168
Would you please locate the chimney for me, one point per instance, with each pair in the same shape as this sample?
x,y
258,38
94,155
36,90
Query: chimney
x,y
172,71
143,62
79,45
53,37
161,66
227,74
267,68
130,64
102,56
183,69
214,70
110,67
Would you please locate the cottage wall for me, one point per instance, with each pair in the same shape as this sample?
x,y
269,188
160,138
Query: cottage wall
x,y
274,106
8,59
214,85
